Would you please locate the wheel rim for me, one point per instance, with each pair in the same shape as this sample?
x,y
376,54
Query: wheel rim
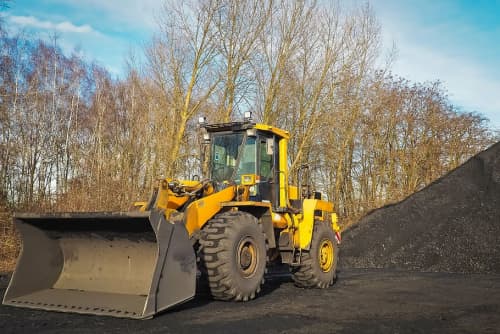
x,y
247,257
326,255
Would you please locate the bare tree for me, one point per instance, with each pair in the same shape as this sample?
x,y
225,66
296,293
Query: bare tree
x,y
180,60
238,26
74,138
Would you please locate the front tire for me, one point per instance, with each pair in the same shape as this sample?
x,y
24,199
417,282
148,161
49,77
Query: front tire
x,y
319,264
233,256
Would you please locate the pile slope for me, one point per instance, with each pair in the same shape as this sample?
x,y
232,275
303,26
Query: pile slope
x,y
452,225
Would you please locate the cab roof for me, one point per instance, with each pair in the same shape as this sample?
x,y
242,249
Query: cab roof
x,y
241,126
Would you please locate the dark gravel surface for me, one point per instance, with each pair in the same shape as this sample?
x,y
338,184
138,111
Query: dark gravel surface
x,y
362,301
453,225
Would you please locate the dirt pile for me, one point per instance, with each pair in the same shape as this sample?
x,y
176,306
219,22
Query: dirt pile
x,y
452,225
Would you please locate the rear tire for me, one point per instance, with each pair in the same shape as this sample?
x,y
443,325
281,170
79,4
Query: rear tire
x,y
319,264
233,256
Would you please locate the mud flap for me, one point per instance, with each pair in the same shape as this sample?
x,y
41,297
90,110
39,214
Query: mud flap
x,y
130,265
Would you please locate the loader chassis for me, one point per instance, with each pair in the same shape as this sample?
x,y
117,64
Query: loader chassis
x,y
228,228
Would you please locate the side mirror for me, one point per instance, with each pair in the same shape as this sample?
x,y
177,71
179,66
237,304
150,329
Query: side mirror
x,y
270,146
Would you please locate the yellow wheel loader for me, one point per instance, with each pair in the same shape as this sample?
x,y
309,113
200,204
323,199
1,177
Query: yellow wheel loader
x,y
225,230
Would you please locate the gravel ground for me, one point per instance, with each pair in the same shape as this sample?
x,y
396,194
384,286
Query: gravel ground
x,y
361,301
453,225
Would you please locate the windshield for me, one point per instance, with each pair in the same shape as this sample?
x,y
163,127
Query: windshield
x,y
224,157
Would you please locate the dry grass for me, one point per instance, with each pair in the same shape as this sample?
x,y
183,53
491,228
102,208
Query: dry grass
x,y
9,241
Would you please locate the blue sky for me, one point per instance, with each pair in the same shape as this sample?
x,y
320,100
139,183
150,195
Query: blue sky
x,y
103,30
455,41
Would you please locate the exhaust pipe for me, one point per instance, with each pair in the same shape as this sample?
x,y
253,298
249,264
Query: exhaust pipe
x,y
130,265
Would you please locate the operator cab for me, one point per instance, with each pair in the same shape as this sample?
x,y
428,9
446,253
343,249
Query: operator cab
x,y
241,149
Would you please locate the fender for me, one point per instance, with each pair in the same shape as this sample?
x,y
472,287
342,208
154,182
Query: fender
x,y
306,224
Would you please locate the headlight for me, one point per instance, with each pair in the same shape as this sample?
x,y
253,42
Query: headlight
x,y
252,190
248,179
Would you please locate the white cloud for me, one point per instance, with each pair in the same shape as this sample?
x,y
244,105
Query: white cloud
x,y
65,26
130,12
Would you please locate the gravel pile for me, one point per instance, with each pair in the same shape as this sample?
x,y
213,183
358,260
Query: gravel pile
x,y
452,225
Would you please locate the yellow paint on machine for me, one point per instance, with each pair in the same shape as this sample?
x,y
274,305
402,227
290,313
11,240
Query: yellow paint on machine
x,y
293,192
200,211
281,133
306,224
283,173
335,224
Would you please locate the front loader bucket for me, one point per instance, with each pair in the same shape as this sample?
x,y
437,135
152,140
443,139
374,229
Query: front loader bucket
x,y
131,265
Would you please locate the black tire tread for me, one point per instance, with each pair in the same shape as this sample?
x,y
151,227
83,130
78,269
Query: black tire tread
x,y
216,258
306,275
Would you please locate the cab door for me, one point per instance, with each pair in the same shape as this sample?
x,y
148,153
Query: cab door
x,y
266,153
